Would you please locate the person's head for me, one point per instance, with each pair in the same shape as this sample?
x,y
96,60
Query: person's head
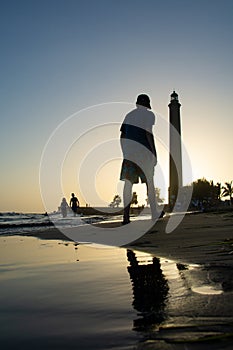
x,y
72,194
143,100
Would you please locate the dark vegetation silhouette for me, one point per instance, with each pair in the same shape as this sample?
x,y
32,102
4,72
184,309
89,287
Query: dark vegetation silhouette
x,y
206,194
116,201
134,200
228,191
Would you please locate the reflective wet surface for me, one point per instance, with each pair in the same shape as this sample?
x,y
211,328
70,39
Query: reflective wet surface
x,y
180,305
62,295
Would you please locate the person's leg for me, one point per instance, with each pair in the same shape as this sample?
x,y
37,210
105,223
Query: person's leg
x,y
127,197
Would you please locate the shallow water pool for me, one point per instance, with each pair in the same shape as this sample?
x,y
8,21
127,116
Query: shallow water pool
x,y
61,295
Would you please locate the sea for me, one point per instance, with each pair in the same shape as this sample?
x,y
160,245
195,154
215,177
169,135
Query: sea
x,y
18,223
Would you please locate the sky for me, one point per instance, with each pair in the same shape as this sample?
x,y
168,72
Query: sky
x,y
60,57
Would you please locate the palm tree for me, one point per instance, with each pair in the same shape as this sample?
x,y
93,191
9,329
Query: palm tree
x,y
134,199
228,190
157,196
116,201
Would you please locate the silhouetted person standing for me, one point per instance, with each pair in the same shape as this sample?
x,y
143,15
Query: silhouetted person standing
x,y
139,153
74,203
64,206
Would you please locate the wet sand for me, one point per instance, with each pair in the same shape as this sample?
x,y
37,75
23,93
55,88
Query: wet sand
x,y
202,238
205,239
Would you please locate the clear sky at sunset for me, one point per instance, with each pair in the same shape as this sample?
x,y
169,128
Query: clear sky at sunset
x,y
62,56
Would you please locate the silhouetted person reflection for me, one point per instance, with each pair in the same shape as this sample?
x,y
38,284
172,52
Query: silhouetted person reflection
x,y
150,290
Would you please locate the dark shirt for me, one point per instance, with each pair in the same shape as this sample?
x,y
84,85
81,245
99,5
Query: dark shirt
x,y
74,202
137,134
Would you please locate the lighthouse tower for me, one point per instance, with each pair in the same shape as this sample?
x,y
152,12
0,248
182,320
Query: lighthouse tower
x,y
175,178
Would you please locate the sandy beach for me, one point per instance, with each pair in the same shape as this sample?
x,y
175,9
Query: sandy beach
x,y
201,238
191,271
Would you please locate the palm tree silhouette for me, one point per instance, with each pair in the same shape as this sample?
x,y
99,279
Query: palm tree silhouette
x,y
116,201
228,190
134,199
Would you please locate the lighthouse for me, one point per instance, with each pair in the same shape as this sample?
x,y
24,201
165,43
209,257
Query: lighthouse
x,y
175,161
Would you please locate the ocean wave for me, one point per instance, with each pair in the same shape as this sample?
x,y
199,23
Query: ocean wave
x,y
12,223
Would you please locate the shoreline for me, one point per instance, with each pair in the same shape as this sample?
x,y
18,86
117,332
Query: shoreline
x,y
201,238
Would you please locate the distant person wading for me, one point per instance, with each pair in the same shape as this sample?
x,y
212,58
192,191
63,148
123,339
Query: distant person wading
x,y
74,203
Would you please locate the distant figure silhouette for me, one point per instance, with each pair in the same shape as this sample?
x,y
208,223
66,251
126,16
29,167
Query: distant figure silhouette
x,y
139,153
74,203
64,206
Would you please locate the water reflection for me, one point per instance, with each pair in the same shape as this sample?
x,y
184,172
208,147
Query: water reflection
x,y
150,290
